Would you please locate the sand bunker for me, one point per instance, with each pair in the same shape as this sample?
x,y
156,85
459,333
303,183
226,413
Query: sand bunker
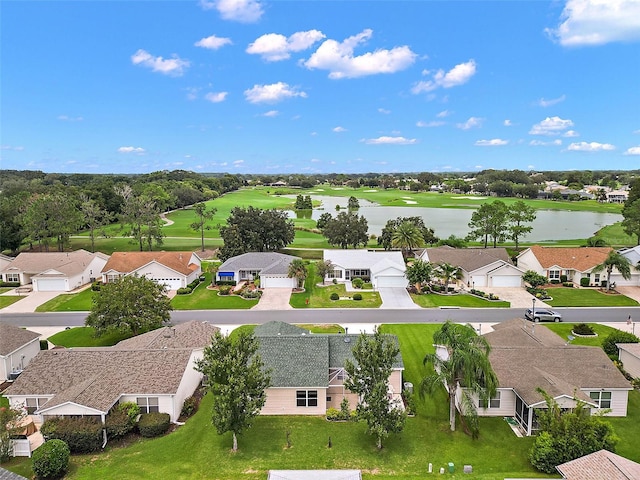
x,y
469,198
410,202
370,191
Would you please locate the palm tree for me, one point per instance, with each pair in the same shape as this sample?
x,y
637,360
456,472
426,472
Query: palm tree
x,y
407,236
446,272
298,270
620,262
466,365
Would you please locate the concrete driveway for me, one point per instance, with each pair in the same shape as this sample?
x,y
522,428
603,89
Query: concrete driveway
x,y
395,297
631,292
30,301
518,297
274,299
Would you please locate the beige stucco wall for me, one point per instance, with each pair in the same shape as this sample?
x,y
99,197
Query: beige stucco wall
x,y
507,405
282,401
337,393
619,400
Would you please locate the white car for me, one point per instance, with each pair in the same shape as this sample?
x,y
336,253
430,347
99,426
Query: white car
x,y
542,315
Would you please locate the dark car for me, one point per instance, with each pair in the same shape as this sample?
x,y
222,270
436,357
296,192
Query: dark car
x,y
542,315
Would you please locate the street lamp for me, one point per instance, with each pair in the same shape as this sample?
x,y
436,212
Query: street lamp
x,y
533,310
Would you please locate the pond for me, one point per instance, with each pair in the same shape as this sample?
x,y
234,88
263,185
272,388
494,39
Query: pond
x,y
549,225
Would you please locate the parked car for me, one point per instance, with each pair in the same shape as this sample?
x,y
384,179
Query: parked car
x,y
542,315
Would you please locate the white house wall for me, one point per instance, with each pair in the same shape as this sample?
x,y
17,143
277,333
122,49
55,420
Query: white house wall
x,y
631,363
157,272
70,409
528,261
14,361
282,401
189,383
166,403
619,401
507,405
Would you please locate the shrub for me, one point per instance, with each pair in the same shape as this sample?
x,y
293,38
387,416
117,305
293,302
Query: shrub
x,y
555,281
563,278
357,282
82,435
44,345
10,284
335,281
190,406
251,294
603,283
583,329
224,290
184,291
153,424
51,459
609,343
118,423
227,282
333,414
357,296
584,282
334,296
95,286
194,284
567,284
345,412
534,279
132,409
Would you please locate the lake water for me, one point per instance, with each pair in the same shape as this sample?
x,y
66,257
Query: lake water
x,y
548,225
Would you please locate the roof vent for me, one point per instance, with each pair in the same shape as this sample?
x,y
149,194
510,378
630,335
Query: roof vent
x,y
347,340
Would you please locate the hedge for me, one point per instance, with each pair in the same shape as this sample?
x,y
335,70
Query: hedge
x,y
51,459
82,435
10,284
118,423
153,424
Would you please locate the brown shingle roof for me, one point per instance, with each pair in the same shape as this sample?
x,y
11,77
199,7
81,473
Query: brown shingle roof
x,y
68,263
600,465
581,259
193,334
469,259
126,262
12,338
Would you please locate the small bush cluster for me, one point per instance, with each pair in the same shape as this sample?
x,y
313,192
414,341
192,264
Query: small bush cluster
x,y
132,409
584,282
230,283
44,345
118,424
357,282
190,406
153,424
249,294
82,435
554,281
51,459
334,296
609,343
409,402
563,279
357,296
603,283
10,284
583,329
184,291
567,284
96,286
539,293
342,415
194,284
482,294
224,290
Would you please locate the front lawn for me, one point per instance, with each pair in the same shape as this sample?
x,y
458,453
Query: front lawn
x,y
564,330
203,298
432,300
587,297
75,302
6,300
85,337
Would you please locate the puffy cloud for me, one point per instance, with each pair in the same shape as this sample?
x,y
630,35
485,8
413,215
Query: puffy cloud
x,y
271,113
338,58
458,75
273,47
473,122
540,143
434,123
384,140
590,147
213,42
550,102
273,93
596,22
633,151
67,118
550,126
169,66
570,133
507,123
339,129
216,97
138,150
244,11
494,142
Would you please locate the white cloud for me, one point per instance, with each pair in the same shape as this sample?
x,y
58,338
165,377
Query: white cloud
x,y
273,93
192,93
494,142
390,141
273,47
540,143
338,58
137,150
444,113
315,160
550,126
434,123
507,123
596,22
633,151
213,42
11,148
66,118
339,129
473,122
244,11
590,147
384,111
174,66
570,134
458,75
271,113
550,102
238,163
216,97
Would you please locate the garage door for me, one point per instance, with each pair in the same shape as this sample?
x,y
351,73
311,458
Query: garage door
x,y
49,285
276,282
479,281
506,281
389,281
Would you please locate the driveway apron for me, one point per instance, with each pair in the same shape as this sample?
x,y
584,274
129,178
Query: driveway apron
x,y
396,298
274,299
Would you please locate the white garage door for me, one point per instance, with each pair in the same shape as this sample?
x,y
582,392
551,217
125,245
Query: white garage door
x,y
506,281
49,285
391,281
277,282
479,281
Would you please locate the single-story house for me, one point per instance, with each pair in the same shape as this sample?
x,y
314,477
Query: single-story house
x,y
55,271
307,370
617,196
155,370
629,355
17,348
271,268
633,255
173,269
481,267
382,268
600,465
5,260
574,262
526,356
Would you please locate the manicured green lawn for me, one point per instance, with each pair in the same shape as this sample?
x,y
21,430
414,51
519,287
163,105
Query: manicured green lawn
x,y
203,298
6,300
85,337
4,401
324,328
432,300
76,302
564,330
587,297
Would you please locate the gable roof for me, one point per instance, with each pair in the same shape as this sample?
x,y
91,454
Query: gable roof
x,y
373,260
66,263
570,258
599,465
12,338
273,263
127,262
632,348
469,259
193,334
632,254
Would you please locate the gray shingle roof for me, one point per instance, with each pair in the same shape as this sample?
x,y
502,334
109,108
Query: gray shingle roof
x,y
193,334
270,329
598,466
469,259
267,262
7,475
12,338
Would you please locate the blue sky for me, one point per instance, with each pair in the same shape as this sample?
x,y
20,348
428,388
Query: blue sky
x,y
246,86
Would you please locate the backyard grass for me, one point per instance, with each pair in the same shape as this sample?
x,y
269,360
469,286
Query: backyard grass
x,y
6,300
434,300
564,330
587,297
4,401
203,298
74,302
85,337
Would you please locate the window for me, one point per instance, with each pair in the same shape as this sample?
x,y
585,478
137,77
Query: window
x,y
249,274
334,274
306,398
12,277
596,277
34,404
328,399
112,277
554,274
148,404
494,402
602,399
360,273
